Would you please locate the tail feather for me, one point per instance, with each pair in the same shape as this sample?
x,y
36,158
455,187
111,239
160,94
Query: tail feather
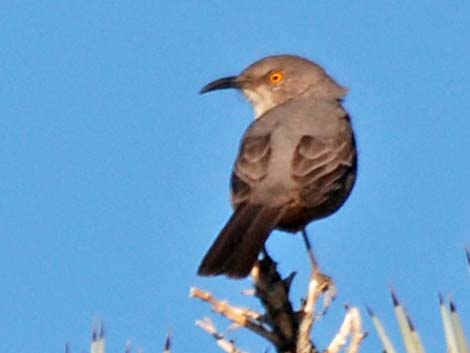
x,y
227,240
235,250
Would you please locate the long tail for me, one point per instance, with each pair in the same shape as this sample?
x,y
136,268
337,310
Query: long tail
x,y
238,245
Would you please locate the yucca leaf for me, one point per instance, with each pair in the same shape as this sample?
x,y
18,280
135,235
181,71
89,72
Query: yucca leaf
x,y
457,326
467,252
448,327
403,324
98,342
418,345
386,342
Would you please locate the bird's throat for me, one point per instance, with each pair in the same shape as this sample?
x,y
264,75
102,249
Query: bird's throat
x,y
260,101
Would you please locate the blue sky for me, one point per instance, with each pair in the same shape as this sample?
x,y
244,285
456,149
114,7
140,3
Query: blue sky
x,y
115,171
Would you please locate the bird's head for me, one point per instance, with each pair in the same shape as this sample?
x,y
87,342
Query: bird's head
x,y
277,79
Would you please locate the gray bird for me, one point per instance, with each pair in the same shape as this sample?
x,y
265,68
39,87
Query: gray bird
x,y
297,161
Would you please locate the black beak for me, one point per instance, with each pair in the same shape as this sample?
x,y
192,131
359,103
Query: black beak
x,y
221,83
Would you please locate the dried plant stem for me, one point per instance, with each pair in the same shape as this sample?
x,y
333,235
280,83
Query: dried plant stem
x,y
288,330
239,316
351,326
318,284
227,346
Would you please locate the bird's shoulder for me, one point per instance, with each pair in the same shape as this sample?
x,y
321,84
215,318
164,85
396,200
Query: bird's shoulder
x,y
311,125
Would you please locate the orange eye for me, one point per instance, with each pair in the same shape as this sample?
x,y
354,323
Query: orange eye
x,y
276,77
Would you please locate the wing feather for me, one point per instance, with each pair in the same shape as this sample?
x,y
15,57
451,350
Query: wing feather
x,y
319,167
251,166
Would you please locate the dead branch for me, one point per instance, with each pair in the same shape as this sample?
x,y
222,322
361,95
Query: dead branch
x,y
289,331
318,284
240,316
351,327
227,346
273,292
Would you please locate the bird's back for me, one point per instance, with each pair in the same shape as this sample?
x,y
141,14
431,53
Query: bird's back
x,y
300,155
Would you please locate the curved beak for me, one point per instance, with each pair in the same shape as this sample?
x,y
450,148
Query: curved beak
x,y
222,83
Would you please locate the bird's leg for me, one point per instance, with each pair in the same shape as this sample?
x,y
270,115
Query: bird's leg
x,y
327,286
308,246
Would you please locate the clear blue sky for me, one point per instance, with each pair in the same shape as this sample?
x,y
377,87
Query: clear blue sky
x,y
115,171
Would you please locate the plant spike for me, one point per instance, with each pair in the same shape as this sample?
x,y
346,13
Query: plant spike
x,y
403,324
459,332
386,342
447,325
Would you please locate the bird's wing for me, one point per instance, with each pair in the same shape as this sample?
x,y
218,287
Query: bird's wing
x,y
251,165
320,166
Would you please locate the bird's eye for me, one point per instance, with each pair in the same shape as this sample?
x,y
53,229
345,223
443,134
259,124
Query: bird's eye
x,y
276,77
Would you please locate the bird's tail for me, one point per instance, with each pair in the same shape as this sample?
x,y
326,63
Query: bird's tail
x,y
238,245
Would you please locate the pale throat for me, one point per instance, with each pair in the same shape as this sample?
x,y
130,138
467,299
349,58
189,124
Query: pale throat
x,y
261,101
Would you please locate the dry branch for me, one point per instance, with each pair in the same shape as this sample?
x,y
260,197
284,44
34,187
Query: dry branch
x,y
273,292
318,284
289,331
239,316
227,346
352,326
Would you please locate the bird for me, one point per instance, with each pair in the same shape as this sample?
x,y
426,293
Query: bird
x,y
297,161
